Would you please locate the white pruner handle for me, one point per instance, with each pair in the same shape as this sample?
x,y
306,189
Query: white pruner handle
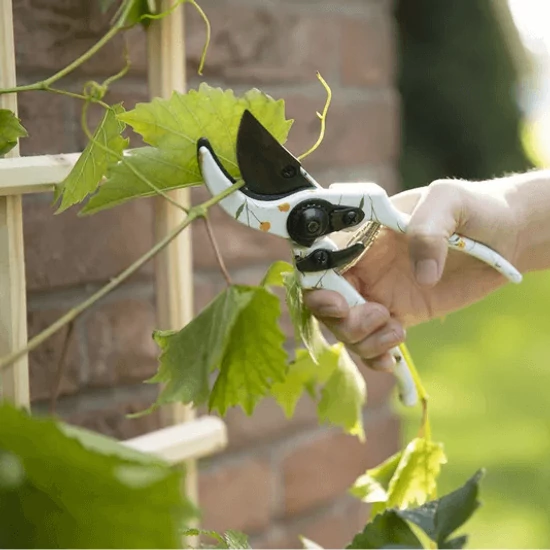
x,y
331,280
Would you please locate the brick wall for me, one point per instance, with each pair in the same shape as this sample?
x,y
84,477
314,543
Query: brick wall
x,y
278,478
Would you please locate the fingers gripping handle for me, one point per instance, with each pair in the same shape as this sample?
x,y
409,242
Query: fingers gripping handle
x,y
330,280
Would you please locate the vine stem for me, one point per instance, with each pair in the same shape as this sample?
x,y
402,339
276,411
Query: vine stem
x,y
216,248
45,84
425,428
195,212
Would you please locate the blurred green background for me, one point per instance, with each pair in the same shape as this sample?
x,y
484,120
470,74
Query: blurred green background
x,y
486,368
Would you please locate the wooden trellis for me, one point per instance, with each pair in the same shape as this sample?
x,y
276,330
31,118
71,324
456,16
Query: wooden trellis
x,y
186,438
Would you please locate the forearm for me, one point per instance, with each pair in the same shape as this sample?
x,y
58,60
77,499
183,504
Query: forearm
x,y
529,198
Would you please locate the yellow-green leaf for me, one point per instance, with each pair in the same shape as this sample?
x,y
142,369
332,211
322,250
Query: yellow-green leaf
x,y
414,480
174,126
91,166
372,486
10,131
344,395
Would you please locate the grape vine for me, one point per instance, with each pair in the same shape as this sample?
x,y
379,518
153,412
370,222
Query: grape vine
x,y
230,355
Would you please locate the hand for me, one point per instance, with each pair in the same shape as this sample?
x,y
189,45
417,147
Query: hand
x,y
409,279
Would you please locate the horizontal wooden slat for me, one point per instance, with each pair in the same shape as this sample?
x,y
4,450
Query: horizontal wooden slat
x,y
34,174
186,441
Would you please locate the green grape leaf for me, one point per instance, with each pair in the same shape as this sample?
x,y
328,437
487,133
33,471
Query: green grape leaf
x,y
238,336
343,390
344,394
10,131
254,358
91,166
414,479
372,486
302,373
442,517
386,530
62,494
160,167
175,125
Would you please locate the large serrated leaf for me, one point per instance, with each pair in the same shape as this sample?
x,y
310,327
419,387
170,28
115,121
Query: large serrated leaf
x,y
71,496
440,518
237,337
92,164
387,530
254,357
175,125
10,131
414,479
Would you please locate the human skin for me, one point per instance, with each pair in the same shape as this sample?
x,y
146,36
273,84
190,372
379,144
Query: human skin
x,y
412,278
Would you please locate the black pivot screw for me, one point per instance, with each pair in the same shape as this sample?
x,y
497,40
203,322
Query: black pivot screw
x,y
321,258
350,218
313,227
288,171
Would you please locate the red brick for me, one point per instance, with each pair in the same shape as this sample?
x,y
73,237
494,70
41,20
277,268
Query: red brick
x,y
239,244
323,468
48,120
262,44
362,131
367,51
64,250
44,360
336,527
113,421
120,347
236,496
50,34
267,424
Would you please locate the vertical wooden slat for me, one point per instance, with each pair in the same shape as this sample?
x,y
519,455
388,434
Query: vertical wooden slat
x,y
13,303
174,273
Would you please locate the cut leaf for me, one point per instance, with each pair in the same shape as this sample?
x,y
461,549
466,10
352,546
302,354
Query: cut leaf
x,y
92,164
276,273
69,496
387,530
10,131
372,486
414,480
306,328
238,336
343,390
344,395
175,125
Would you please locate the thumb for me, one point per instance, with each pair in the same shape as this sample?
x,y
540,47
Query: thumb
x,y
433,221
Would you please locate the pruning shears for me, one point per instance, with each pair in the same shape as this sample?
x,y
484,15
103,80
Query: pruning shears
x,y
280,197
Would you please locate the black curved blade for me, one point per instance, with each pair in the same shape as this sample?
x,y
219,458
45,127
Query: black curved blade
x,y
267,168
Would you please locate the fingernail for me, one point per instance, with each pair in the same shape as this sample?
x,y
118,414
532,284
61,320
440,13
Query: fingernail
x,y
390,339
426,272
387,362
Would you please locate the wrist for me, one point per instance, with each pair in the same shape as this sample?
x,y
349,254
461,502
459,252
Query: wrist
x,y
528,199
